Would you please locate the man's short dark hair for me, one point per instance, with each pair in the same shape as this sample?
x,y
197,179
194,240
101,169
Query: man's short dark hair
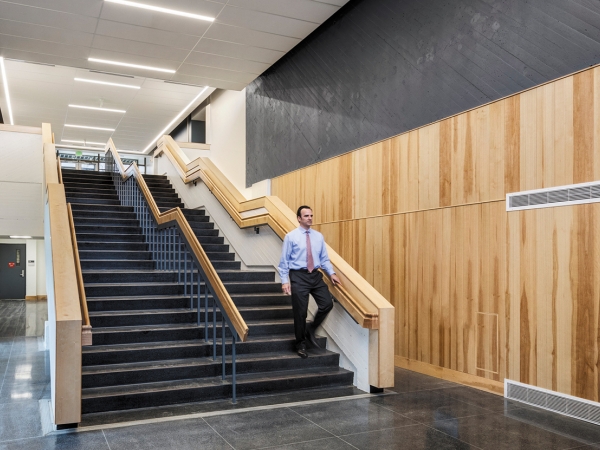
x,y
299,213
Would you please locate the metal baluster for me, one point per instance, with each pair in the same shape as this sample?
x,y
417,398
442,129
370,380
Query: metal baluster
x,y
191,281
198,299
233,388
214,325
205,313
179,258
185,252
223,343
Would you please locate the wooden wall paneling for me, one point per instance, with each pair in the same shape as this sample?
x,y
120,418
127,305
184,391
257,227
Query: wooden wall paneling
x,y
496,154
345,211
395,172
402,143
444,288
542,289
413,232
460,131
545,140
586,303
455,290
512,144
413,171
481,153
429,165
583,127
486,335
375,180
445,162
499,281
528,314
513,299
528,140
562,298
563,131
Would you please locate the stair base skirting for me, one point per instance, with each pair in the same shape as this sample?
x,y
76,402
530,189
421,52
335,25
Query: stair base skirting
x,y
484,384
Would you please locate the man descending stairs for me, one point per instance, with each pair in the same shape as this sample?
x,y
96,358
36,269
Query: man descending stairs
x,y
147,348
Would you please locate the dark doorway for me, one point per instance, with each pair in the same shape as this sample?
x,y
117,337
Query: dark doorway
x,y
12,271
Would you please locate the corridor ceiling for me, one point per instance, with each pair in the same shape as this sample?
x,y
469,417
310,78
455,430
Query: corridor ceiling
x,y
245,38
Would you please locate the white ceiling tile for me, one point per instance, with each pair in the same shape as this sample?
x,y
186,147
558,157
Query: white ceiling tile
x,y
83,7
222,62
241,51
39,16
160,21
144,34
139,48
43,33
332,2
251,37
49,48
268,23
298,9
217,74
220,84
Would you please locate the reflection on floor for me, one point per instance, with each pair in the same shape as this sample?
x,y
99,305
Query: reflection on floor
x,y
421,413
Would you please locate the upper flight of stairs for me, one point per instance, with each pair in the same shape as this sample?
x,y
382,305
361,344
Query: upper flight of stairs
x,y
147,349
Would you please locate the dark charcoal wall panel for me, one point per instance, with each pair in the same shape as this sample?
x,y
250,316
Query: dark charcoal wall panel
x,y
381,67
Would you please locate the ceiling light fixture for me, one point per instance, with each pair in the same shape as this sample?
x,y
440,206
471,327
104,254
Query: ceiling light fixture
x,y
89,128
175,119
162,10
6,93
81,142
20,237
98,109
107,84
135,66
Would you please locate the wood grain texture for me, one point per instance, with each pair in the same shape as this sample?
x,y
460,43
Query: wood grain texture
x,y
477,290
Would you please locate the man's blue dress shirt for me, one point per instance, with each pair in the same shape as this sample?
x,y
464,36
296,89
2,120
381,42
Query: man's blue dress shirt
x,y
293,255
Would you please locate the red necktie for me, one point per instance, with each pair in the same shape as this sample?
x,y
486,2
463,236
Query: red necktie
x,y
310,264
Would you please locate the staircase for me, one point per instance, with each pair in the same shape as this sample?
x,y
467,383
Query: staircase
x,y
147,349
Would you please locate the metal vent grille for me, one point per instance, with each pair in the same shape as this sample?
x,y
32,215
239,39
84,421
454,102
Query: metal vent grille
x,y
567,405
557,196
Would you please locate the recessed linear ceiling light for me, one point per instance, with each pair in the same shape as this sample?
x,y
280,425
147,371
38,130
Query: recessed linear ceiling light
x,y
162,10
89,128
20,237
107,83
6,94
82,142
98,109
175,119
135,66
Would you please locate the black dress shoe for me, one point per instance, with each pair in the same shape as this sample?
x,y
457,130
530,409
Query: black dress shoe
x,y
302,351
310,336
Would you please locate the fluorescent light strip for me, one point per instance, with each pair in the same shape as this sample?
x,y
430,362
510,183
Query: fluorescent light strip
x,y
20,237
98,109
135,66
89,128
174,120
107,83
162,10
81,142
6,93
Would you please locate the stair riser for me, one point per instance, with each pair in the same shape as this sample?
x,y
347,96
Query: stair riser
x,y
111,264
200,350
91,214
84,183
91,237
198,371
93,201
107,230
147,400
141,305
96,255
137,290
87,195
100,245
130,337
135,277
99,222
99,211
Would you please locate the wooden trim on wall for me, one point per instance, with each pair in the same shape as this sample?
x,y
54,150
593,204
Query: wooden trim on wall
x,y
484,384
36,297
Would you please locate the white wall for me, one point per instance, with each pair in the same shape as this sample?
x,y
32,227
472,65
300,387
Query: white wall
x,y
227,134
21,203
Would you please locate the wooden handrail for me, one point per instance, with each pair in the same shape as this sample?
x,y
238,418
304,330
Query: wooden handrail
x,y
356,295
86,326
59,168
176,215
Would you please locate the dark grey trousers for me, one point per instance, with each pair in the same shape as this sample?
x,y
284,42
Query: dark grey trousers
x,y
303,284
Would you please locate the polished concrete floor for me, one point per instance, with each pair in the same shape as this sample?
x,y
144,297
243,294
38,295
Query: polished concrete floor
x,y
421,413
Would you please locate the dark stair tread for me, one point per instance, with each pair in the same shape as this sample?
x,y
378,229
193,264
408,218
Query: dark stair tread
x,y
175,344
242,378
203,361
149,312
182,326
